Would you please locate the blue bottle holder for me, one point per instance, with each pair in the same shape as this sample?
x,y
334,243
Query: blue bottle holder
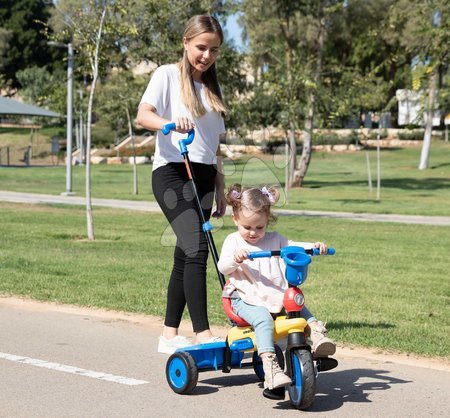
x,y
297,262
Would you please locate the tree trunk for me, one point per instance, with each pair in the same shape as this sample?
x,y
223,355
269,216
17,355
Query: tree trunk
x,y
425,154
309,121
94,66
133,145
307,146
378,163
291,131
89,216
292,152
291,142
286,170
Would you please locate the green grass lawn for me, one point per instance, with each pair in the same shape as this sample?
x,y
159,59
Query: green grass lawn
x,y
386,287
335,181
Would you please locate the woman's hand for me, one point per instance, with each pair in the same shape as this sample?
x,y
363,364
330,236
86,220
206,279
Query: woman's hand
x,y
184,125
221,204
221,201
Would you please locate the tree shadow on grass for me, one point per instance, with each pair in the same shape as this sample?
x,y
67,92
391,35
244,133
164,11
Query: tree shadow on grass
x,y
340,325
439,166
406,183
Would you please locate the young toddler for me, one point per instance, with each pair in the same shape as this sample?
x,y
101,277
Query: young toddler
x,y
257,286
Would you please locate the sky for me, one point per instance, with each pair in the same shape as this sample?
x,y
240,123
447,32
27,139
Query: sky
x,y
234,32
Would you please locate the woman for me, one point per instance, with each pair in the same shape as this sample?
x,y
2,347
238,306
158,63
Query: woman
x,y
188,94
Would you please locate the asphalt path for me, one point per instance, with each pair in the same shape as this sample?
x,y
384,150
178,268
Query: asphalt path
x,y
64,361
18,197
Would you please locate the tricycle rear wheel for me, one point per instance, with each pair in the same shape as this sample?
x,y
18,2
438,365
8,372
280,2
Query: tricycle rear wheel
x,y
181,372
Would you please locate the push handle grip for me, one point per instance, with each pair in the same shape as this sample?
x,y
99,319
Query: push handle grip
x,y
260,254
168,127
182,143
330,251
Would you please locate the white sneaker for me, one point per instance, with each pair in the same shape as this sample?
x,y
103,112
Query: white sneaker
x,y
213,340
168,346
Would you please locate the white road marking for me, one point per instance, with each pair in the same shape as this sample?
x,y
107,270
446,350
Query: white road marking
x,y
74,370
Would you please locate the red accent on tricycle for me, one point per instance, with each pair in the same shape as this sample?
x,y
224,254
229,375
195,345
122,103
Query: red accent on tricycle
x,y
226,303
292,296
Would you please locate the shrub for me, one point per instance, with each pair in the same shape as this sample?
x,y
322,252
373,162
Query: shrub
x,y
42,154
274,146
146,151
411,134
326,139
351,138
373,134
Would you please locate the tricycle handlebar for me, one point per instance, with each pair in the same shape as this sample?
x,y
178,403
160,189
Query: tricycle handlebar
x,y
296,260
277,253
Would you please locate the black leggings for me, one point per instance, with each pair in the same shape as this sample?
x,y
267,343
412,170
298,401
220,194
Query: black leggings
x,y
187,284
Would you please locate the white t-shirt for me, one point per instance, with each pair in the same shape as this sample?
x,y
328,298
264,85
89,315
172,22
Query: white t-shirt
x,y
164,93
260,281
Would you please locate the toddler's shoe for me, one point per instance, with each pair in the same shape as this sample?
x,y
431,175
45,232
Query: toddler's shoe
x,y
322,346
274,376
168,346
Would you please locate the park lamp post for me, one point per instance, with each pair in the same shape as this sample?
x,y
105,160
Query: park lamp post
x,y
69,133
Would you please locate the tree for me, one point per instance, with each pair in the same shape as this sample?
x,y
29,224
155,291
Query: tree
x,y
119,98
435,33
232,78
5,38
426,35
364,62
95,28
161,24
287,40
119,33
23,41
36,83
319,19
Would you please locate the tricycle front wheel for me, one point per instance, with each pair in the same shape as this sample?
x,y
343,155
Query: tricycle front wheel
x,y
302,391
181,372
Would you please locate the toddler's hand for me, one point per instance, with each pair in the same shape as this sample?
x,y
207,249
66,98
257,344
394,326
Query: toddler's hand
x,y
322,247
240,256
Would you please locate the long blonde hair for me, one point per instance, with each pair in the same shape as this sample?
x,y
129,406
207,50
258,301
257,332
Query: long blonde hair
x,y
196,26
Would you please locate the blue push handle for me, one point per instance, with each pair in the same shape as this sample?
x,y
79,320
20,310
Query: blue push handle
x,y
182,143
168,127
259,254
330,251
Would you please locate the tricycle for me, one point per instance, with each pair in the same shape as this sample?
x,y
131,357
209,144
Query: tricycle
x,y
239,349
